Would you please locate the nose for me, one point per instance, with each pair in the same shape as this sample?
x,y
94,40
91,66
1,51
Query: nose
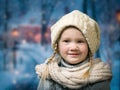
x,y
73,47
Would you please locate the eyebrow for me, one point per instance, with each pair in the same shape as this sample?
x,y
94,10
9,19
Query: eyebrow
x,y
77,38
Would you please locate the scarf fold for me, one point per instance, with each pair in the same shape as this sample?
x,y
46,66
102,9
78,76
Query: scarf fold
x,y
73,77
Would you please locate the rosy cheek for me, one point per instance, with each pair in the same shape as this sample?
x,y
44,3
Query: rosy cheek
x,y
63,49
83,48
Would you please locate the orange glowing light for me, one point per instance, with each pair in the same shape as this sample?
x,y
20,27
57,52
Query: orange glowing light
x,y
118,15
15,33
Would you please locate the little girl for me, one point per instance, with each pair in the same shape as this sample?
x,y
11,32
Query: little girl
x,y
75,39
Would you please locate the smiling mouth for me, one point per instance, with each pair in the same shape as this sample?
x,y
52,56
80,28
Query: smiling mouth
x,y
74,54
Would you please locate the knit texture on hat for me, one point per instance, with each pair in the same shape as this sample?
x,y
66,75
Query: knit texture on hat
x,y
84,23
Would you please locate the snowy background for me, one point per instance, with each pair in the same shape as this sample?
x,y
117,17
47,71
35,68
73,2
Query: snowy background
x,y
25,37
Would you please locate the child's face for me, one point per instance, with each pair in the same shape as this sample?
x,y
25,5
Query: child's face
x,y
72,46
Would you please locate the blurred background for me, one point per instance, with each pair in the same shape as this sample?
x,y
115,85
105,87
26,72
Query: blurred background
x,y
25,37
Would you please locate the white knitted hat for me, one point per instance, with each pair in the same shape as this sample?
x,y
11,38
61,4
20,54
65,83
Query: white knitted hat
x,y
84,23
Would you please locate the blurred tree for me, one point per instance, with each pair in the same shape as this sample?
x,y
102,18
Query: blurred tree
x,y
1,13
6,21
23,5
85,6
66,9
47,8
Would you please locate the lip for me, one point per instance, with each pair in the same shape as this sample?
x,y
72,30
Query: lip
x,y
73,54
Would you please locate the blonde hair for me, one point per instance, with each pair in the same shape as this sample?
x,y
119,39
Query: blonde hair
x,y
46,71
87,73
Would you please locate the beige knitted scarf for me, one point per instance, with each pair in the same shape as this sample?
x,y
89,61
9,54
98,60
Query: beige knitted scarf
x,y
73,77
